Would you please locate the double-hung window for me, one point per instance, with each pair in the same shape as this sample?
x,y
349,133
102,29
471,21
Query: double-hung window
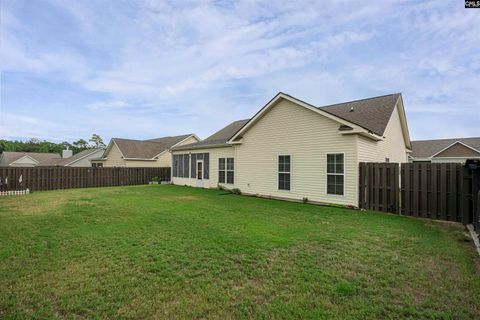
x,y
284,172
335,173
226,170
230,170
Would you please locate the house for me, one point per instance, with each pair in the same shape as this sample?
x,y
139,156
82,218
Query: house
x,y
28,159
81,159
293,150
445,150
142,153
35,159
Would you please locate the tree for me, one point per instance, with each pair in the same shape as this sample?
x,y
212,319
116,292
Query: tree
x,y
97,141
80,144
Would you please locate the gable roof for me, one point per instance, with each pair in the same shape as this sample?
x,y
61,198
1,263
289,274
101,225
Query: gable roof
x,y
77,156
44,159
218,139
368,117
145,149
372,114
429,148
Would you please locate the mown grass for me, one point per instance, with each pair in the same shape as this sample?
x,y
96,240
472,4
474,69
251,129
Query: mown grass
x,y
179,252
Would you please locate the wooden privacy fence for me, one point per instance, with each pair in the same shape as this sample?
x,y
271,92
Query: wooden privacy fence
x,y
379,186
443,191
437,191
49,178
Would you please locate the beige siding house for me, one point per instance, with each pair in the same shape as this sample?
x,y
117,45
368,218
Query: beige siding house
x,y
293,150
456,150
34,159
142,153
28,159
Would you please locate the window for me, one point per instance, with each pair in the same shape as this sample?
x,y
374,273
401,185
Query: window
x,y
230,170
221,170
335,173
284,172
226,170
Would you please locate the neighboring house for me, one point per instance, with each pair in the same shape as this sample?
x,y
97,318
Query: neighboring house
x,y
293,150
445,150
34,159
142,153
81,159
28,159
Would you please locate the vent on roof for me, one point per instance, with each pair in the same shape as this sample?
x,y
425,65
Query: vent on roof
x,y
351,109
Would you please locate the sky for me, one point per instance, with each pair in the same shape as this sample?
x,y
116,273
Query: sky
x,y
146,69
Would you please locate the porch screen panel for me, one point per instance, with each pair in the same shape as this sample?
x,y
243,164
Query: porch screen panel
x,y
206,165
193,164
186,166
180,165
175,165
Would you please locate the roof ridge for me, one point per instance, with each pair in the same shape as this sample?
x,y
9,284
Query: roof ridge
x,y
149,141
177,136
31,152
358,100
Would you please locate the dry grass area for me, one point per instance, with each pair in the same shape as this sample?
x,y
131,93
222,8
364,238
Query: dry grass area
x,y
177,252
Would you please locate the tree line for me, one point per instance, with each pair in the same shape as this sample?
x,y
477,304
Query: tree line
x,y
43,146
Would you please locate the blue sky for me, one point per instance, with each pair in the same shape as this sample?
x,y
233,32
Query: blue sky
x,y
145,69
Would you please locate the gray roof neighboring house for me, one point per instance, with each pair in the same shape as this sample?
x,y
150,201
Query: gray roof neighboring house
x,y
372,114
428,148
219,138
42,159
76,157
45,159
146,149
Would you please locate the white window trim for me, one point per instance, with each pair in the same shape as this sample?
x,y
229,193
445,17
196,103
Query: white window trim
x,y
344,174
278,172
226,170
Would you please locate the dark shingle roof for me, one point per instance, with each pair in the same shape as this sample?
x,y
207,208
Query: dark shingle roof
x,y
427,148
218,138
44,159
147,149
372,114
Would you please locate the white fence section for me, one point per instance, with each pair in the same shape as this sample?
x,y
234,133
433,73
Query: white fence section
x,y
14,192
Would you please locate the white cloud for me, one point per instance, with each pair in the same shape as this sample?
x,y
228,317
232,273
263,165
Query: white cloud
x,y
116,104
196,66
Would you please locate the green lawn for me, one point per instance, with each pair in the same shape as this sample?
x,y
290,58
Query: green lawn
x,y
179,252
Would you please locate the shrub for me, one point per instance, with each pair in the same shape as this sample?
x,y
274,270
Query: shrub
x,y
236,191
305,200
154,179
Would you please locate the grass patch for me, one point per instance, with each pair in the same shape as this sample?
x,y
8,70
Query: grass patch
x,y
165,251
